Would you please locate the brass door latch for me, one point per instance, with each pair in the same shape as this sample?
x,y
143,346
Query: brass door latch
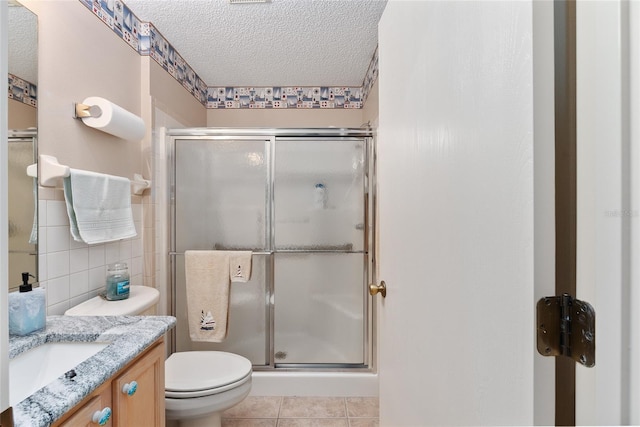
x,y
381,289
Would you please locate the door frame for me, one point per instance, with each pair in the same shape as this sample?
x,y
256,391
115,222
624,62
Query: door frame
x,y
605,218
564,19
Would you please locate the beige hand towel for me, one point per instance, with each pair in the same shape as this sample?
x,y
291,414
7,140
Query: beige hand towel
x,y
207,277
240,266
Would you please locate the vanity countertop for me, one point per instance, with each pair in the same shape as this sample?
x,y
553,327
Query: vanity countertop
x,y
128,336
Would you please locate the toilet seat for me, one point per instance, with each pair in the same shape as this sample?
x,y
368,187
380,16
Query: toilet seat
x,y
202,373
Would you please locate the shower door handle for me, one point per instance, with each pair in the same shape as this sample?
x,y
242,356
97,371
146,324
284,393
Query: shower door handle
x,y
378,289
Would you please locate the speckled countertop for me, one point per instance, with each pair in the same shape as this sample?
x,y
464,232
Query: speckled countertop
x,y
128,335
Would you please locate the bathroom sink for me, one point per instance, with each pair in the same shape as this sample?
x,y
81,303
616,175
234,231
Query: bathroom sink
x,y
37,367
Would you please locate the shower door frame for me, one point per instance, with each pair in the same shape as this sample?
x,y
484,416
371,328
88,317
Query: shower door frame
x,y
269,136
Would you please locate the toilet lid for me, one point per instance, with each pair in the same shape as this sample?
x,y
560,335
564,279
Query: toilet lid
x,y
204,370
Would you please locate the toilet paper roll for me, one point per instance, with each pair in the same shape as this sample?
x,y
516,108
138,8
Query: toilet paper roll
x,y
114,120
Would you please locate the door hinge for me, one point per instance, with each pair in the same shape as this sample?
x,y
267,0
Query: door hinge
x,y
567,327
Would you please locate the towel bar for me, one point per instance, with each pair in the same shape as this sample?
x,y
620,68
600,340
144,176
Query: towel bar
x,y
139,184
48,170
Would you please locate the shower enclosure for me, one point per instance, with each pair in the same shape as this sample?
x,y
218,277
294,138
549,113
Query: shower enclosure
x,y
300,200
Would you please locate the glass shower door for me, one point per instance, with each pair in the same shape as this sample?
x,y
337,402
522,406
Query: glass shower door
x,y
221,198
23,236
320,251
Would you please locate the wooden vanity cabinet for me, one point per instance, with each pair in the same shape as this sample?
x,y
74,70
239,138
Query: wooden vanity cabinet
x,y
145,407
84,414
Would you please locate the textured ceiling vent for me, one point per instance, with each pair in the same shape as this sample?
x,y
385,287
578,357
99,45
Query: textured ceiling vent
x,y
248,1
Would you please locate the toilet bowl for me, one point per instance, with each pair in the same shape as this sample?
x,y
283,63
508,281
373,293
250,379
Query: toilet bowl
x,y
199,385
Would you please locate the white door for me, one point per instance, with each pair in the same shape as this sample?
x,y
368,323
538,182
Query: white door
x,y
455,191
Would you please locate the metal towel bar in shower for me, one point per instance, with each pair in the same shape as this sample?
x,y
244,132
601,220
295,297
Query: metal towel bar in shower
x,y
345,248
253,252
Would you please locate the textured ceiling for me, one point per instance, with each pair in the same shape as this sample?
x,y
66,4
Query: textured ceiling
x,y
23,44
281,43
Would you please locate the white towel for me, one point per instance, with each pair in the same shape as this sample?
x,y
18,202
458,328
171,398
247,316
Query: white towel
x,y
240,266
99,207
33,238
207,280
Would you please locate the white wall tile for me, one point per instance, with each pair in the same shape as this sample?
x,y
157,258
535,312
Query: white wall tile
x,y
79,299
73,244
125,249
79,283
135,267
97,278
42,213
43,274
94,293
136,280
57,264
57,213
112,252
58,309
137,247
78,260
96,256
42,240
57,239
57,290
75,271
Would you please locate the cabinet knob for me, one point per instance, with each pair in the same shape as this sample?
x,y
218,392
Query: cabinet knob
x,y
101,417
130,388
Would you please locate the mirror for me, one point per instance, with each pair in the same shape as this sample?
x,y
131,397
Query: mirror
x,y
22,142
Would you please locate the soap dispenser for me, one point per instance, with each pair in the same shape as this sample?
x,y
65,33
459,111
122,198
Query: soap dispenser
x,y
27,308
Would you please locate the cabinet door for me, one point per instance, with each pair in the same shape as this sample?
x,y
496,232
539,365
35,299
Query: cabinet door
x,y
145,406
83,417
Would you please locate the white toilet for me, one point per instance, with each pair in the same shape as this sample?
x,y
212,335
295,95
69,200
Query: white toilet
x,y
199,385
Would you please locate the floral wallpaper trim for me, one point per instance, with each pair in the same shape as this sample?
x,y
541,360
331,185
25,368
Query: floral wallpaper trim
x,y
147,40
117,16
371,76
158,48
23,91
284,97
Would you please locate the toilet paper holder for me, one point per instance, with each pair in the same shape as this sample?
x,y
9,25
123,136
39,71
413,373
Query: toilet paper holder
x,y
105,116
81,110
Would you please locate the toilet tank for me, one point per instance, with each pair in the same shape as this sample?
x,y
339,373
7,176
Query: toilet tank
x,y
142,301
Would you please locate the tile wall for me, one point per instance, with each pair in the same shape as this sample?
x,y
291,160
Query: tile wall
x,y
73,272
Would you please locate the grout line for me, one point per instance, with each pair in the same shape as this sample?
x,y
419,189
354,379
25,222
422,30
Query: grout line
x,y
279,410
346,409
